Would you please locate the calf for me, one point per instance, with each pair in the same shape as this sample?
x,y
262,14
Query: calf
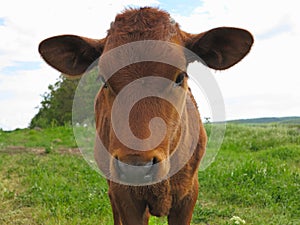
x,y
160,132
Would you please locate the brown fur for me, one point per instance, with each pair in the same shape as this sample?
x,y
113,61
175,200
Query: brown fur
x,y
176,196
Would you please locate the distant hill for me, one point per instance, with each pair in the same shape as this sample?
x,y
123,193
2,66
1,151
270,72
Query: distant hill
x,y
294,120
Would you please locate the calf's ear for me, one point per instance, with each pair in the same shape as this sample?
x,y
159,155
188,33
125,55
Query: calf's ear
x,y
220,48
70,54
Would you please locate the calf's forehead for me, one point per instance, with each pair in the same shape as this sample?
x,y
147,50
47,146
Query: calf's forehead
x,y
131,73
135,60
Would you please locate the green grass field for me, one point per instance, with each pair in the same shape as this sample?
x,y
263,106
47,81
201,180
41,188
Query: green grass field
x,y
256,177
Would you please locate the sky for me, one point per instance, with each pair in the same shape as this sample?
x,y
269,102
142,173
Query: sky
x,y
264,84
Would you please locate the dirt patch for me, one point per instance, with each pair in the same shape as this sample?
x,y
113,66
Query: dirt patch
x,y
71,151
22,149
38,150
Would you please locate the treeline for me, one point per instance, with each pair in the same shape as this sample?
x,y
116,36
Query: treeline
x,y
56,106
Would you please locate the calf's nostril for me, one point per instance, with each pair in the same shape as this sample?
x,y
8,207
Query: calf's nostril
x,y
155,161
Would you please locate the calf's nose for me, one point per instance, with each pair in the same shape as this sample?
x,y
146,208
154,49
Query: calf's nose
x,y
136,170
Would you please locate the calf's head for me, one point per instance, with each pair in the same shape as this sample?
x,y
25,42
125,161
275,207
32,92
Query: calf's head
x,y
147,134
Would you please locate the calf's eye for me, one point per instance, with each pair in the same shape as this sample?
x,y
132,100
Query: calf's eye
x,y
179,79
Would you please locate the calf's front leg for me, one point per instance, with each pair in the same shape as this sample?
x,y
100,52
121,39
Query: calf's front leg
x,y
182,212
128,210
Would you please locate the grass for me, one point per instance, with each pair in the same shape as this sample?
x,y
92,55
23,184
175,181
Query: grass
x,y
49,138
255,178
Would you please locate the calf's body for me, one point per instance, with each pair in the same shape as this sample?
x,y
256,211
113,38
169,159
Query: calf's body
x,y
141,182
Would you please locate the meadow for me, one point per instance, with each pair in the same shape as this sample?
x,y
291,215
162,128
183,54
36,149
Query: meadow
x,y
255,179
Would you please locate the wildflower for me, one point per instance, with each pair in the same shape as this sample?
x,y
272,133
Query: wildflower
x,y
237,220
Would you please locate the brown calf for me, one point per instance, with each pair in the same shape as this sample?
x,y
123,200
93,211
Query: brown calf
x,y
140,182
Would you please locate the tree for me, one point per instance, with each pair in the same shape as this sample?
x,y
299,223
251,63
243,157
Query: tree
x,y
57,103
56,106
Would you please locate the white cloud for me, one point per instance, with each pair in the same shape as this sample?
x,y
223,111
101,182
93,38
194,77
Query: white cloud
x,y
23,92
268,75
